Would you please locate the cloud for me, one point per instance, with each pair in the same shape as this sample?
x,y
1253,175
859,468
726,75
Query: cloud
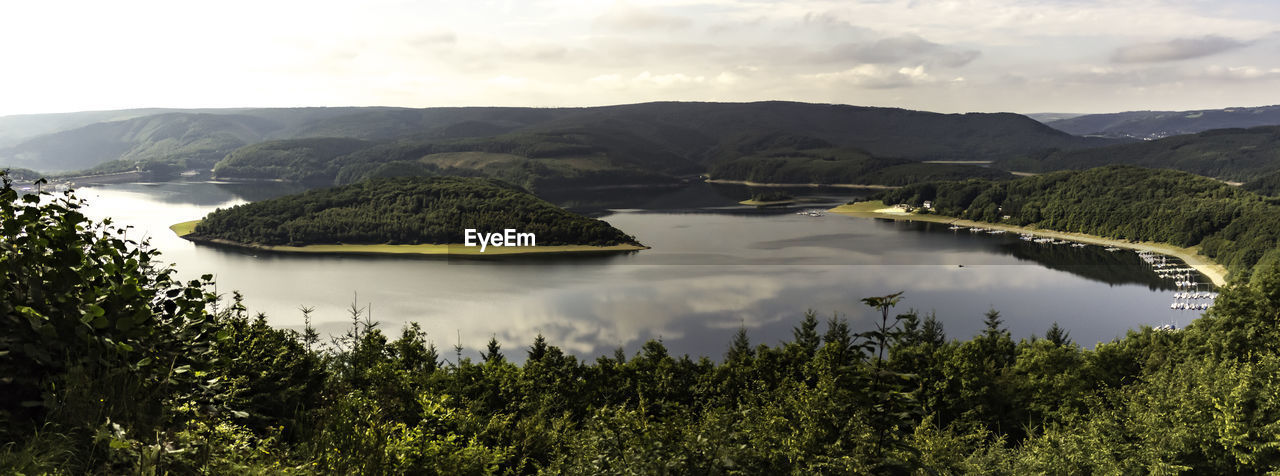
x,y
900,49
650,80
1240,73
625,17
1176,49
877,77
441,38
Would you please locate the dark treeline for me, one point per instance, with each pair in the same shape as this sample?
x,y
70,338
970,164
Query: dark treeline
x,y
112,366
771,196
407,210
1235,227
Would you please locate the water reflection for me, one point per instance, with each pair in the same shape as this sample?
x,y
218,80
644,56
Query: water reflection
x,y
710,271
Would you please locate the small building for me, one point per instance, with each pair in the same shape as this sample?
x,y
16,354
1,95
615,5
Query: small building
x,y
928,205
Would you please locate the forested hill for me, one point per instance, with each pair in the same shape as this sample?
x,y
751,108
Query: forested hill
x,y
404,210
626,143
1158,124
1235,227
1228,154
842,166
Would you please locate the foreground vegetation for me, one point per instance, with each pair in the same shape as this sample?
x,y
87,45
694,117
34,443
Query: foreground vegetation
x,y
111,365
403,211
1234,227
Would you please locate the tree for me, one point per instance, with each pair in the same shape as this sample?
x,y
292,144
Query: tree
x,y
740,351
493,353
805,336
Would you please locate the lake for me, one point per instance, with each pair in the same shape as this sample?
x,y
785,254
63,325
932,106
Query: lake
x,y
714,266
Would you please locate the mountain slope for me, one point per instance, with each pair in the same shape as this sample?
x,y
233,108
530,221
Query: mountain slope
x,y
179,138
665,138
1228,154
1158,124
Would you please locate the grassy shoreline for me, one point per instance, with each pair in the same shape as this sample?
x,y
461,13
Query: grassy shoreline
x,y
876,209
771,203
185,229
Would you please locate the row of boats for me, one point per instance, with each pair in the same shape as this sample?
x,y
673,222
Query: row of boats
x,y
1024,237
812,212
1184,277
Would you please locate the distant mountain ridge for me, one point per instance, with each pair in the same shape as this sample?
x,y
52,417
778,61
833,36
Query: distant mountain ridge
x,y
1149,125
612,143
1227,154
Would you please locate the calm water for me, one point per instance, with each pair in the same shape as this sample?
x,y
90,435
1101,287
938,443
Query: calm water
x,y
714,266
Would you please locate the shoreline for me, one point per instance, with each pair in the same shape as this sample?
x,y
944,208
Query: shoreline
x,y
184,230
1191,256
810,185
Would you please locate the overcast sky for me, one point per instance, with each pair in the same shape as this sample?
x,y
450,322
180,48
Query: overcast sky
x,y
949,56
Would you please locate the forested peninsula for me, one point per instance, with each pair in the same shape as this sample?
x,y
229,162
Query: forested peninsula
x,y
1236,228
407,214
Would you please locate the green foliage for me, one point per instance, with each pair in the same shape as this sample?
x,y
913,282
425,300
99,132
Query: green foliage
x,y
404,211
1268,184
300,160
1234,227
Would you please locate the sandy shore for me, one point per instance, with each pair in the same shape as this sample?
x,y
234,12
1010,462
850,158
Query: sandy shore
x,y
1214,271
814,185
185,229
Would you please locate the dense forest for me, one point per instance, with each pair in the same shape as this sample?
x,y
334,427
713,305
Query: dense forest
x,y
1235,227
1268,185
404,211
842,166
113,366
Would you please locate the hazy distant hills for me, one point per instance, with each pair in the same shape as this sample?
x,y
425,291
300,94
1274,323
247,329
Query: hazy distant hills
x,y
1159,124
1229,154
566,146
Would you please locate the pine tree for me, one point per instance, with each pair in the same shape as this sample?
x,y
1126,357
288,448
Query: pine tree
x,y
806,334
539,348
740,350
494,352
1057,335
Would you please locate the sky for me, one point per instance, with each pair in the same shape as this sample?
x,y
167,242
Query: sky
x,y
938,55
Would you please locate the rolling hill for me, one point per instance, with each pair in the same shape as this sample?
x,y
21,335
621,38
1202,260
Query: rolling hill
x,y
638,143
1158,124
1227,154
